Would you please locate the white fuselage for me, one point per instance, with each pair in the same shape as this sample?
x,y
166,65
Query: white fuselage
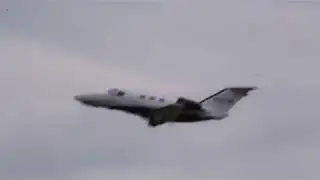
x,y
158,110
142,105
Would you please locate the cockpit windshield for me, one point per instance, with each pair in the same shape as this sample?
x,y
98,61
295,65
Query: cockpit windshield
x,y
113,91
116,92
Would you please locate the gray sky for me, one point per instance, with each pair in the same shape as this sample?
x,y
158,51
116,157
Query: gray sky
x,y
52,50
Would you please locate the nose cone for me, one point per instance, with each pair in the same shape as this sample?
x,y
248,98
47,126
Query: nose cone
x,y
77,97
95,100
80,98
88,99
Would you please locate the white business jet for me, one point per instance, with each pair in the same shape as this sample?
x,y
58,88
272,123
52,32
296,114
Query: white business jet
x,y
158,110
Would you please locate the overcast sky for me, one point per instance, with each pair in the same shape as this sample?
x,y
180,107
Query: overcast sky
x,y
53,50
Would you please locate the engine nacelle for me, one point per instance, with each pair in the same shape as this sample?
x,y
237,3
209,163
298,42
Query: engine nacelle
x,y
188,104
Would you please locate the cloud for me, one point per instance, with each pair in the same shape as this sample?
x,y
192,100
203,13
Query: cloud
x,y
52,51
41,83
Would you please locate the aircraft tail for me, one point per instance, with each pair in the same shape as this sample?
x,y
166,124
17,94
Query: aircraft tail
x,y
225,99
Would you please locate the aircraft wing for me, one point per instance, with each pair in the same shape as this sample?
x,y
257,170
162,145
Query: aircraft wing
x,y
165,114
172,111
188,104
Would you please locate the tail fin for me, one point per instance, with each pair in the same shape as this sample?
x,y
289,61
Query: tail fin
x,y
226,98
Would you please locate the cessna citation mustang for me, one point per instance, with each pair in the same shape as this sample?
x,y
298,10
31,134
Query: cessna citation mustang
x,y
158,111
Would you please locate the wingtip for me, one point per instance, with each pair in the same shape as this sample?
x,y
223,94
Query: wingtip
x,y
246,90
251,89
254,88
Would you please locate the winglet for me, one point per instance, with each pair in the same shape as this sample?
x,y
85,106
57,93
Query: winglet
x,y
243,90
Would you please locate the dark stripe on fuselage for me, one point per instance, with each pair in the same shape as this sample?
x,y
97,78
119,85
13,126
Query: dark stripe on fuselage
x,y
145,112
140,111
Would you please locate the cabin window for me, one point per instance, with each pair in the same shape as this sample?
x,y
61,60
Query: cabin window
x,y
142,96
120,93
152,98
161,100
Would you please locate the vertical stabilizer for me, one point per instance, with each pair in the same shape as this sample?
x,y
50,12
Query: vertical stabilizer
x,y
225,99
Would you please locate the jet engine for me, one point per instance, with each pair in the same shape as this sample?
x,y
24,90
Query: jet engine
x,y
188,104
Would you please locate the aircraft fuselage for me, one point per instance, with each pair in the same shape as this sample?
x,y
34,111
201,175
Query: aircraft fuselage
x,y
140,105
158,110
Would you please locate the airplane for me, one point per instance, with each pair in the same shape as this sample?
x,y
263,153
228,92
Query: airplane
x,y
158,110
